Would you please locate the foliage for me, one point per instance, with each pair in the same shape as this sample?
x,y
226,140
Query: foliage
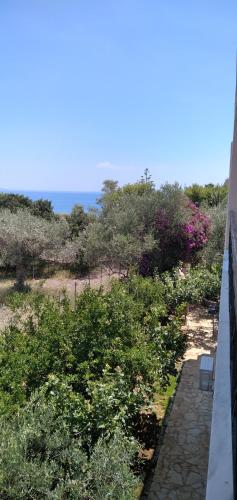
x,y
118,249
25,238
146,178
210,194
180,231
213,251
105,338
77,220
109,186
110,471
74,380
43,208
163,396
14,202
137,226
147,293
128,232
200,283
196,231
41,458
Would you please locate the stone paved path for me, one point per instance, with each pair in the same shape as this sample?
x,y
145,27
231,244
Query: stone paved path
x,y
181,469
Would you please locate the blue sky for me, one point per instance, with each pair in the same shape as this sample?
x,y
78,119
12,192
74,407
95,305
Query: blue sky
x,y
96,89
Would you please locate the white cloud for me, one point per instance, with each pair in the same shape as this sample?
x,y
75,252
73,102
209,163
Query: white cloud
x,y
107,165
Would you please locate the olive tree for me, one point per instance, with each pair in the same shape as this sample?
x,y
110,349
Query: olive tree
x,y
113,249
77,220
25,238
213,252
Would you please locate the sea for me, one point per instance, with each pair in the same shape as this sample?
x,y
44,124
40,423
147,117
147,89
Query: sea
x,y
63,202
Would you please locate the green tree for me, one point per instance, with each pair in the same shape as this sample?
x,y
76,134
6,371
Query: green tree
x,y
25,238
109,186
78,220
209,194
213,252
147,178
114,248
14,202
43,208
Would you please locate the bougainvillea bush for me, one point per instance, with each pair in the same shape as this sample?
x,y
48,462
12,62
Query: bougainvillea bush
x,y
179,235
196,231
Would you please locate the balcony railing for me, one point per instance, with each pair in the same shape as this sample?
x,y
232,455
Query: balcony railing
x,y
222,468
233,336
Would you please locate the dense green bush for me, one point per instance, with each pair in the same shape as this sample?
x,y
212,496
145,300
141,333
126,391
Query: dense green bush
x,y
106,333
210,194
41,458
147,292
200,283
74,380
15,202
213,252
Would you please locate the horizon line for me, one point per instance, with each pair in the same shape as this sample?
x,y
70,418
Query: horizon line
x,y
13,190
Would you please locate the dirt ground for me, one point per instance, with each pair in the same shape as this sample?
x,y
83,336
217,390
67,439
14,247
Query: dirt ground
x,y
62,281
56,284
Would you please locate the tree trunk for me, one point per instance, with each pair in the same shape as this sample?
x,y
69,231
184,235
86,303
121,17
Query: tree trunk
x,y
20,277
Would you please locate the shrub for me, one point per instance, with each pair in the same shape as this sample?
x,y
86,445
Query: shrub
x,y
201,283
105,333
40,458
74,380
213,251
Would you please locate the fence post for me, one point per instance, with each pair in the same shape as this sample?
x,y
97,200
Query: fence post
x,y
75,294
